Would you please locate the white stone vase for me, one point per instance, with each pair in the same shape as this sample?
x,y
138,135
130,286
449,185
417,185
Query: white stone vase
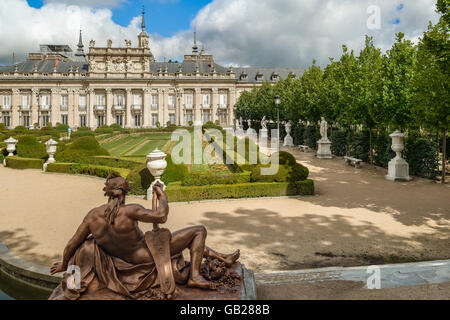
x,y
156,164
11,146
398,168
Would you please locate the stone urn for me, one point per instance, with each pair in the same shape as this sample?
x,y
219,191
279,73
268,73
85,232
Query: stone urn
x,y
398,168
11,146
156,164
288,141
51,150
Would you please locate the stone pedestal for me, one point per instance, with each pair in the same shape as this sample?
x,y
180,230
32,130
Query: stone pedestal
x,y
263,141
288,141
324,149
398,170
240,133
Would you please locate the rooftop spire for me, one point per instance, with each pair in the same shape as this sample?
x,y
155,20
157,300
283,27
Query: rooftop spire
x,y
195,47
80,42
80,55
143,19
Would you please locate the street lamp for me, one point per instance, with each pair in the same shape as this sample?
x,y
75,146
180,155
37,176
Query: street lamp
x,y
277,102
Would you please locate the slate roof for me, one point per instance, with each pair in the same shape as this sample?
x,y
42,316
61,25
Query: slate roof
x,y
46,66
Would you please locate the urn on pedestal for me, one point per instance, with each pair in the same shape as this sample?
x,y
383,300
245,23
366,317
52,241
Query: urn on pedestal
x,y
398,168
10,147
156,164
51,150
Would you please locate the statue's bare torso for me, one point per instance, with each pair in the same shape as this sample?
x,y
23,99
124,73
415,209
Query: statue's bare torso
x,y
123,239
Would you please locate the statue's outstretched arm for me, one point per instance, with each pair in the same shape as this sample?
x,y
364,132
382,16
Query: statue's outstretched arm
x,y
139,213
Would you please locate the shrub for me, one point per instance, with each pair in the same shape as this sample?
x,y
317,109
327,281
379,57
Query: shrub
x,y
49,131
80,149
339,142
104,129
62,127
310,137
421,155
20,129
140,178
297,133
202,178
29,147
24,163
358,145
114,162
382,152
3,127
81,133
116,127
177,192
286,173
84,128
91,170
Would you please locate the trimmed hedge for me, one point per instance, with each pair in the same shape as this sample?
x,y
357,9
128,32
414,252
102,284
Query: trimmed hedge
x,y
24,163
422,156
177,192
30,147
289,170
91,170
80,149
140,178
202,178
114,162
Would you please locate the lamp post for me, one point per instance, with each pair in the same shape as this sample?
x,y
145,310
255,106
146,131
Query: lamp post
x,y
277,102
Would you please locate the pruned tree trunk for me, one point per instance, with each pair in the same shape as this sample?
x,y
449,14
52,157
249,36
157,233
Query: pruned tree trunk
x,y
444,154
370,146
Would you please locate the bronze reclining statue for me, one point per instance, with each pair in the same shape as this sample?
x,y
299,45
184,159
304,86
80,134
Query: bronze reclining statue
x,y
116,260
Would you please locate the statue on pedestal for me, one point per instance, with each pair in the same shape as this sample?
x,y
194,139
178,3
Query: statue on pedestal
x,y
113,259
324,144
288,141
264,123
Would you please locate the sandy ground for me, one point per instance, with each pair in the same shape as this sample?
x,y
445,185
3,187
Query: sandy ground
x,y
356,218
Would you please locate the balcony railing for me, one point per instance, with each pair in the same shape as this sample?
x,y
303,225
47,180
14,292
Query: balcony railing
x,y
25,107
206,106
119,107
223,105
188,106
44,107
137,107
99,107
154,106
82,107
6,108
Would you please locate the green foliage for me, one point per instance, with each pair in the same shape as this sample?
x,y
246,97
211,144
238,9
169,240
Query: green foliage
x,y
114,162
24,163
177,192
311,136
339,143
421,155
104,130
116,127
80,149
62,127
49,131
202,178
20,129
29,147
81,133
382,149
140,178
358,145
91,170
3,127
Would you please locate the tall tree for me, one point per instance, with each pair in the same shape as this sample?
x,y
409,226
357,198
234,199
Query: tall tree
x,y
432,98
398,89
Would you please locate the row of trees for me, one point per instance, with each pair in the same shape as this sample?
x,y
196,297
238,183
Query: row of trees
x,y
406,88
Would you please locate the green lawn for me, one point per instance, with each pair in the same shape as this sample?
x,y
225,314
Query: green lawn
x,y
136,145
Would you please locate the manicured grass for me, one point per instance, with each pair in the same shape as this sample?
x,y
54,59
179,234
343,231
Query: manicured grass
x,y
136,145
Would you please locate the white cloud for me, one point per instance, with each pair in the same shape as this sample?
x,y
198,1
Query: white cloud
x,y
89,3
283,33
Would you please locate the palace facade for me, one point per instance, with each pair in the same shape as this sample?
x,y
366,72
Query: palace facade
x,y
123,85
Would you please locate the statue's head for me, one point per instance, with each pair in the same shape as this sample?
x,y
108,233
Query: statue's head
x,y
116,186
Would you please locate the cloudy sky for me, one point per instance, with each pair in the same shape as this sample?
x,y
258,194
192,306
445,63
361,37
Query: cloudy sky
x,y
271,33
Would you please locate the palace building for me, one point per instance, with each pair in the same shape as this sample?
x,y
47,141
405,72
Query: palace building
x,y
123,85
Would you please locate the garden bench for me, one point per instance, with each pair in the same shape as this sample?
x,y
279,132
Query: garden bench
x,y
353,161
304,148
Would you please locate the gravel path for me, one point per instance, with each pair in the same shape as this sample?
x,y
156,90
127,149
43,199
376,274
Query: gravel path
x,y
357,218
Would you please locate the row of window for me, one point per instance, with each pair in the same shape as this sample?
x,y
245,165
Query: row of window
x,y
118,100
